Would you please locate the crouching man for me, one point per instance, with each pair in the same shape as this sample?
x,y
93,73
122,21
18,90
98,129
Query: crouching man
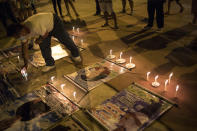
x,y
43,26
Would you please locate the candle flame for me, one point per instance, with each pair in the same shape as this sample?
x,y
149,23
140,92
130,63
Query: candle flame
x,y
52,78
110,52
74,94
62,85
148,73
166,82
73,28
177,88
171,74
130,58
156,77
120,55
82,41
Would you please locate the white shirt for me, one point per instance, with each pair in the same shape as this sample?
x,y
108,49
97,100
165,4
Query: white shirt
x,y
38,25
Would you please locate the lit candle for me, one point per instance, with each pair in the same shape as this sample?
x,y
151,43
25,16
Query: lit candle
x,y
74,95
78,30
110,52
62,86
82,41
73,37
52,78
73,29
165,88
177,88
147,76
24,73
170,76
18,58
120,55
156,77
130,59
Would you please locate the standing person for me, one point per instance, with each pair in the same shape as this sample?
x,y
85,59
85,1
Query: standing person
x,y
155,6
25,9
55,4
194,11
43,26
67,2
7,12
178,3
131,4
107,8
33,6
98,9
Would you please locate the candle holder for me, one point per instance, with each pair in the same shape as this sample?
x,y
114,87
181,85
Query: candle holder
x,y
155,83
120,60
110,56
130,65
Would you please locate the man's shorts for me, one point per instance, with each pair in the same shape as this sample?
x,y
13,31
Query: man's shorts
x,y
106,6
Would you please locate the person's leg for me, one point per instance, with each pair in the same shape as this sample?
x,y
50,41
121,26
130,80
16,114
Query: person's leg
x,y
194,19
106,15
160,14
60,7
123,6
67,7
151,13
181,6
33,8
169,6
73,7
10,14
131,4
115,20
98,10
54,6
60,33
45,48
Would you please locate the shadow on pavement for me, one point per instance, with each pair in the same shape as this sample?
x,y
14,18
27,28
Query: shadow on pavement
x,y
181,56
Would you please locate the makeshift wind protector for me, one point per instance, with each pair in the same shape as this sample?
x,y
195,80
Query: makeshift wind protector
x,y
132,109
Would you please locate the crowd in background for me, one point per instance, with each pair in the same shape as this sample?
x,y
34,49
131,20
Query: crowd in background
x,y
19,10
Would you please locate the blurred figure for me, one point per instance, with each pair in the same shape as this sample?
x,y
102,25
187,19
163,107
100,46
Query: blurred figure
x,y
25,9
67,2
98,9
124,6
155,6
106,7
33,6
7,10
178,3
55,3
194,11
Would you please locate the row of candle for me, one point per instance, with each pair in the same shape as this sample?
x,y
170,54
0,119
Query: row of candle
x,y
62,87
129,65
157,84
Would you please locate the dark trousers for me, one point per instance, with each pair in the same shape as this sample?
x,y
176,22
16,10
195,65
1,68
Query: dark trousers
x,y
6,13
59,33
98,9
55,3
155,6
